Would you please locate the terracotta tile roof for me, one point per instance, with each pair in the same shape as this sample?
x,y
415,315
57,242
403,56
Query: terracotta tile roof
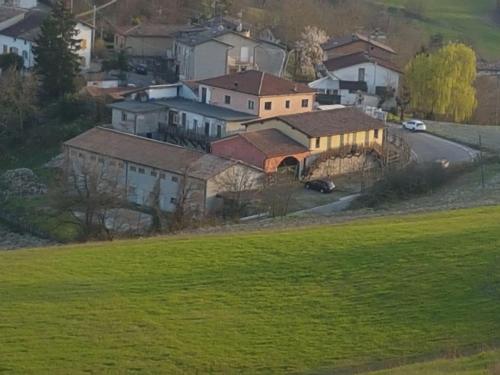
x,y
153,30
348,39
150,153
358,58
327,123
272,142
115,93
257,83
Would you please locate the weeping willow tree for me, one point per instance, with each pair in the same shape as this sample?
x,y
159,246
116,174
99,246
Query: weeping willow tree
x,y
442,83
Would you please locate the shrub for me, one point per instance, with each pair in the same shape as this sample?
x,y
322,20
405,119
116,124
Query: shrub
x,y
402,184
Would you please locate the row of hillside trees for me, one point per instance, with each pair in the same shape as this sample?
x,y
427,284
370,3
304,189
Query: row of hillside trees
x,y
442,83
45,92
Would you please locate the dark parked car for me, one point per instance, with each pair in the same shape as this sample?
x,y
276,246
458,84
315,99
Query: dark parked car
x,y
323,186
141,69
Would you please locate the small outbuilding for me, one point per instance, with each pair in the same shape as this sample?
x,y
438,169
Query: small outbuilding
x,y
267,149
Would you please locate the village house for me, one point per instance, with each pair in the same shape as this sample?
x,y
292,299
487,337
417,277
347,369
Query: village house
x,y
257,93
191,114
218,51
150,171
332,90
355,43
172,113
342,130
380,75
148,39
20,28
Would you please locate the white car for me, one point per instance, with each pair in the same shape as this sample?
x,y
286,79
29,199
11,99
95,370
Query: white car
x,y
415,126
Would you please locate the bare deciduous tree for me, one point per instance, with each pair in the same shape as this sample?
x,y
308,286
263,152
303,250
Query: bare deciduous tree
x,y
88,192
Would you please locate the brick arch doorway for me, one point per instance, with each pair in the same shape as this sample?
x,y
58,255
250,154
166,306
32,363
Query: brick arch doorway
x,y
289,167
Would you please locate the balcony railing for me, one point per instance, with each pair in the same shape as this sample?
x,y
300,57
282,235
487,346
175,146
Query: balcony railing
x,y
183,136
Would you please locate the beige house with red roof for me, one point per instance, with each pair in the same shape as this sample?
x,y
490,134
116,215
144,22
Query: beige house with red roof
x,y
257,93
322,131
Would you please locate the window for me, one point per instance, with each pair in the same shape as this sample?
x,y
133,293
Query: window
x,y
268,106
204,95
251,104
287,104
83,44
219,131
154,174
25,55
375,134
173,200
175,179
342,140
124,116
354,138
162,176
318,142
93,157
81,156
195,123
184,119
5,48
207,129
133,169
227,99
142,171
361,74
305,103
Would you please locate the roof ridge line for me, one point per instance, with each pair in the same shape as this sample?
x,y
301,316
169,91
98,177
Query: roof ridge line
x,y
261,82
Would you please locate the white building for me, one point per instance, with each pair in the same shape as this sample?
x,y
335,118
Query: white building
x,y
19,30
25,4
173,113
332,90
150,171
379,74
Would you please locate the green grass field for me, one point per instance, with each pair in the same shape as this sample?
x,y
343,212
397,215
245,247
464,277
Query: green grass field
x,y
303,301
466,20
486,363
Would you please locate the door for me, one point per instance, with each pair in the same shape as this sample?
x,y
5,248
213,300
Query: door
x,y
207,129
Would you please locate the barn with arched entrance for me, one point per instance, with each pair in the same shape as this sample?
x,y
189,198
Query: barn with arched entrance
x,y
268,149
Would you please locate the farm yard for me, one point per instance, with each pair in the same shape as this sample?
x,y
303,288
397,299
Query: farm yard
x,y
373,292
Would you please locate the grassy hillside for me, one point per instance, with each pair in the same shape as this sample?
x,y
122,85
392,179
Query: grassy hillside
x,y
487,363
306,300
469,20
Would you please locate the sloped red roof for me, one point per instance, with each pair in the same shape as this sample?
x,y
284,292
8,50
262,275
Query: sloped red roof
x,y
257,83
346,61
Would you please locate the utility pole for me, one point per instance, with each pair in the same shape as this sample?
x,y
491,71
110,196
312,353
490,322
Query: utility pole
x,y
481,161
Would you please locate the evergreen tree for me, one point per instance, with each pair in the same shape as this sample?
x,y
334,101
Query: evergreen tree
x,y
56,53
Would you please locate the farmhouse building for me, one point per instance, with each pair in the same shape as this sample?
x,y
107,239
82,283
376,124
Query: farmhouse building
x,y
322,131
151,171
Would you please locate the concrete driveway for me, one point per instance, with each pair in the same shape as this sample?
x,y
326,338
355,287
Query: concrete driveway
x,y
428,148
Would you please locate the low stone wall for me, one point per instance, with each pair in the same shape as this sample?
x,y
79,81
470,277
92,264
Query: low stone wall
x,y
342,165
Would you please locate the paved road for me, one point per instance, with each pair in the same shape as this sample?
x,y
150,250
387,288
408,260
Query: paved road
x,y
428,148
